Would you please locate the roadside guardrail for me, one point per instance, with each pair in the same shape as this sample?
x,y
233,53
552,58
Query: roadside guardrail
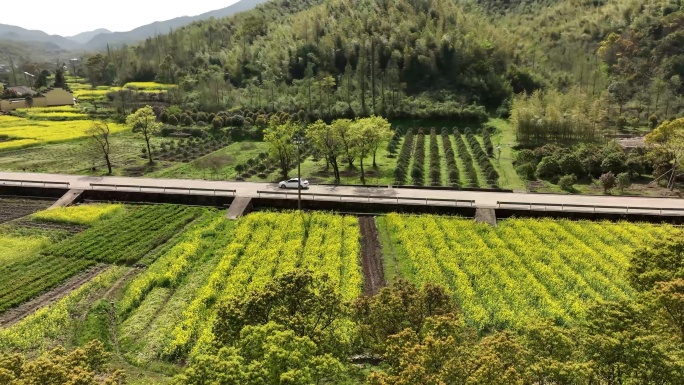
x,y
368,198
16,182
594,208
140,188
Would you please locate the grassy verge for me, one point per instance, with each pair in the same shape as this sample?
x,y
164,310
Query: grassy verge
x,y
503,159
219,165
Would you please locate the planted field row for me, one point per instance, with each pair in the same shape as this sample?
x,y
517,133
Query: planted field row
x,y
520,271
264,245
127,237
483,160
28,277
452,167
55,323
174,262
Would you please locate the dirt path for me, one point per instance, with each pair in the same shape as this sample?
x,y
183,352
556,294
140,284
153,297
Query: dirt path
x,y
119,284
15,315
371,254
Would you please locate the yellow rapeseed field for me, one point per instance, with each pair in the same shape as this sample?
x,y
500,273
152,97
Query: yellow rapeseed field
x,y
78,215
16,132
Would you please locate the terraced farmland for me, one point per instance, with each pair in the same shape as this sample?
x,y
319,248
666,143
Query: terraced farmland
x,y
147,280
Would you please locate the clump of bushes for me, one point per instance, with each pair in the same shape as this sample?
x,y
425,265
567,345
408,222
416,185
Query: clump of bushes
x,y
452,168
400,172
435,164
418,169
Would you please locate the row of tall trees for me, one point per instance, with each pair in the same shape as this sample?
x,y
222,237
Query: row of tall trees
x,y
555,116
342,141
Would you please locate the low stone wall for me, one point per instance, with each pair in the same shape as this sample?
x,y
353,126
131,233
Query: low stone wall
x,y
574,215
33,192
359,207
154,197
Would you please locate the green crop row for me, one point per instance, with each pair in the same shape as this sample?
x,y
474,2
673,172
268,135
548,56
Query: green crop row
x,y
127,238
31,276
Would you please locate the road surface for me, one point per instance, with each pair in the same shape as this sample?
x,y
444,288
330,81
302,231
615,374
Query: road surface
x,y
481,198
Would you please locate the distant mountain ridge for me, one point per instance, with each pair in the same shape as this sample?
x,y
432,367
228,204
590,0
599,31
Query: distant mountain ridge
x,y
100,38
162,27
85,37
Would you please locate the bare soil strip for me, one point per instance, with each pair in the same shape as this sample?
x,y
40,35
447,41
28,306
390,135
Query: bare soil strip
x,y
371,255
16,208
29,224
15,315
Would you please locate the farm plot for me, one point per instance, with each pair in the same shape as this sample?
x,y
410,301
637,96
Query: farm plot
x,y
520,271
17,132
35,264
25,278
445,158
261,245
127,238
78,215
16,208
61,113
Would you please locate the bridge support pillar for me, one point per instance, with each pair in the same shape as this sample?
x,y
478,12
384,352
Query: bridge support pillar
x,y
239,207
68,199
486,215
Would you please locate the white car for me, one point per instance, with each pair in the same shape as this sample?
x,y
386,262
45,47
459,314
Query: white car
x,y
292,183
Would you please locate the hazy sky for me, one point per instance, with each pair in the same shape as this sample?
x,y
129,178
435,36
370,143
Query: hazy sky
x,y
68,18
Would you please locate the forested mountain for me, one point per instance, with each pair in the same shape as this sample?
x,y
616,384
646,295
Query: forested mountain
x,y
330,58
337,57
18,34
100,41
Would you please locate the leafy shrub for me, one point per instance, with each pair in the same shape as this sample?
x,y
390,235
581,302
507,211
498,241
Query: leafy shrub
x,y
217,123
187,121
615,162
526,171
623,181
567,182
570,164
548,169
653,121
608,181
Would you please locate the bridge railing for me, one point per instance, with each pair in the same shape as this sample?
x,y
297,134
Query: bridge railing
x,y
594,208
16,182
141,188
368,198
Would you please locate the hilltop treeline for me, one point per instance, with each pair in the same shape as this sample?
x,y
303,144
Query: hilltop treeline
x,y
337,58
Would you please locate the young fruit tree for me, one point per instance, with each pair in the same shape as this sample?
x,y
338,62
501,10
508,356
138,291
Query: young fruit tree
x,y
670,137
327,141
99,132
281,148
144,121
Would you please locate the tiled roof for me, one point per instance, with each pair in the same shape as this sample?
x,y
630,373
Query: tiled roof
x,y
23,90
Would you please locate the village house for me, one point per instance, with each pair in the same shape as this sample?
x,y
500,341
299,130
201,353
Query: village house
x,y
48,98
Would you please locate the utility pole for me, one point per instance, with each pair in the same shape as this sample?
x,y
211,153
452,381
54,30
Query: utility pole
x,y
298,141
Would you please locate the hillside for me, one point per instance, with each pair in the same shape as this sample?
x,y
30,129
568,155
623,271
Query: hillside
x,y
378,54
100,41
359,57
